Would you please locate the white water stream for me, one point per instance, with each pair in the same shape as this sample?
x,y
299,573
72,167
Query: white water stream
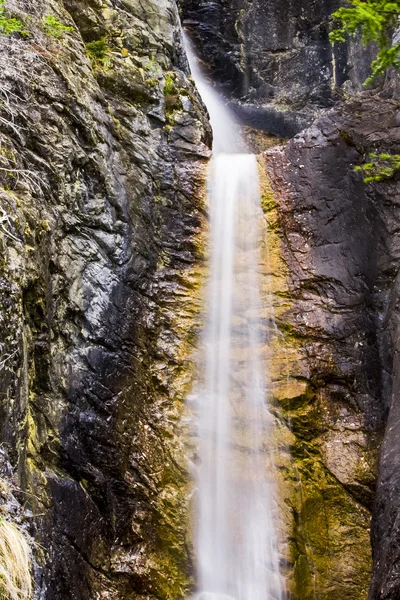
x,y
235,542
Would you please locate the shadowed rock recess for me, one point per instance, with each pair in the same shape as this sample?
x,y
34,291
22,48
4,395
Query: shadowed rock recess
x,y
273,59
103,145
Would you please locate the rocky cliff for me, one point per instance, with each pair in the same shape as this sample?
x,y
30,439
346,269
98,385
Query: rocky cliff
x,y
103,147
273,60
103,144
334,240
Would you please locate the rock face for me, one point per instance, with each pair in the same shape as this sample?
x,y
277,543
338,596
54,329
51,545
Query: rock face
x,y
103,148
336,297
274,59
103,145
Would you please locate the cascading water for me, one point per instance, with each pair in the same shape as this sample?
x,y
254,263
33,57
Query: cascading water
x,y
236,542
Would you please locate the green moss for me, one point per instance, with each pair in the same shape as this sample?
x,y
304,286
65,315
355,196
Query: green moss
x,y
54,28
290,332
169,86
45,224
151,82
301,402
268,202
153,68
172,97
7,153
325,515
302,573
117,122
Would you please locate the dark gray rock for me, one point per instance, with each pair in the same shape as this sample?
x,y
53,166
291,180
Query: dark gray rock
x,y
101,214
102,202
274,56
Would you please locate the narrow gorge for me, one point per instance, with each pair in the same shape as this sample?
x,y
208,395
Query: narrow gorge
x,y
123,292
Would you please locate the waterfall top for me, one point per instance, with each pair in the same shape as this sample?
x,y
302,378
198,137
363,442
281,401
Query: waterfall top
x,y
226,130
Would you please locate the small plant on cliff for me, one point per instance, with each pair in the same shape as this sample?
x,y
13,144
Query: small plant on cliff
x,y
169,86
15,578
377,21
9,24
380,167
98,52
171,94
54,28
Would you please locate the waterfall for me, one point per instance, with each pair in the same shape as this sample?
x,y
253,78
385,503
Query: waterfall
x,y
236,541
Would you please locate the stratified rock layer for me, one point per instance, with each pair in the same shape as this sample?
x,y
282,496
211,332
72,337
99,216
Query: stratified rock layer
x,y
102,155
336,297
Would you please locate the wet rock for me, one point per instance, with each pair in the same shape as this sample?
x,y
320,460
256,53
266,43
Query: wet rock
x,y
102,204
335,294
273,60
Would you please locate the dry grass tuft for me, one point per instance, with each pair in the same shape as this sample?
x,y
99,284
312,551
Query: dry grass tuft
x,y
15,577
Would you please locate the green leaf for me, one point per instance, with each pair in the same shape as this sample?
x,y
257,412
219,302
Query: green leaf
x,y
9,24
54,27
375,20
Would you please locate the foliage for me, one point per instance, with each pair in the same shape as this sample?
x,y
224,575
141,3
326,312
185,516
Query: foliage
x,y
9,24
169,87
98,51
54,27
172,97
15,578
376,20
380,167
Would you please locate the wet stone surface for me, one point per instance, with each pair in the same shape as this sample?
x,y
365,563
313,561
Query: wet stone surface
x,y
272,59
102,208
340,257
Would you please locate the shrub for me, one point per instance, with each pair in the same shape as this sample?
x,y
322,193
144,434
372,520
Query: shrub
x,y
9,24
376,20
98,51
54,27
169,86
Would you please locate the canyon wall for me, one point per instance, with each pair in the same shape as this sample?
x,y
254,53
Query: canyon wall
x,y
103,148
104,143
335,259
